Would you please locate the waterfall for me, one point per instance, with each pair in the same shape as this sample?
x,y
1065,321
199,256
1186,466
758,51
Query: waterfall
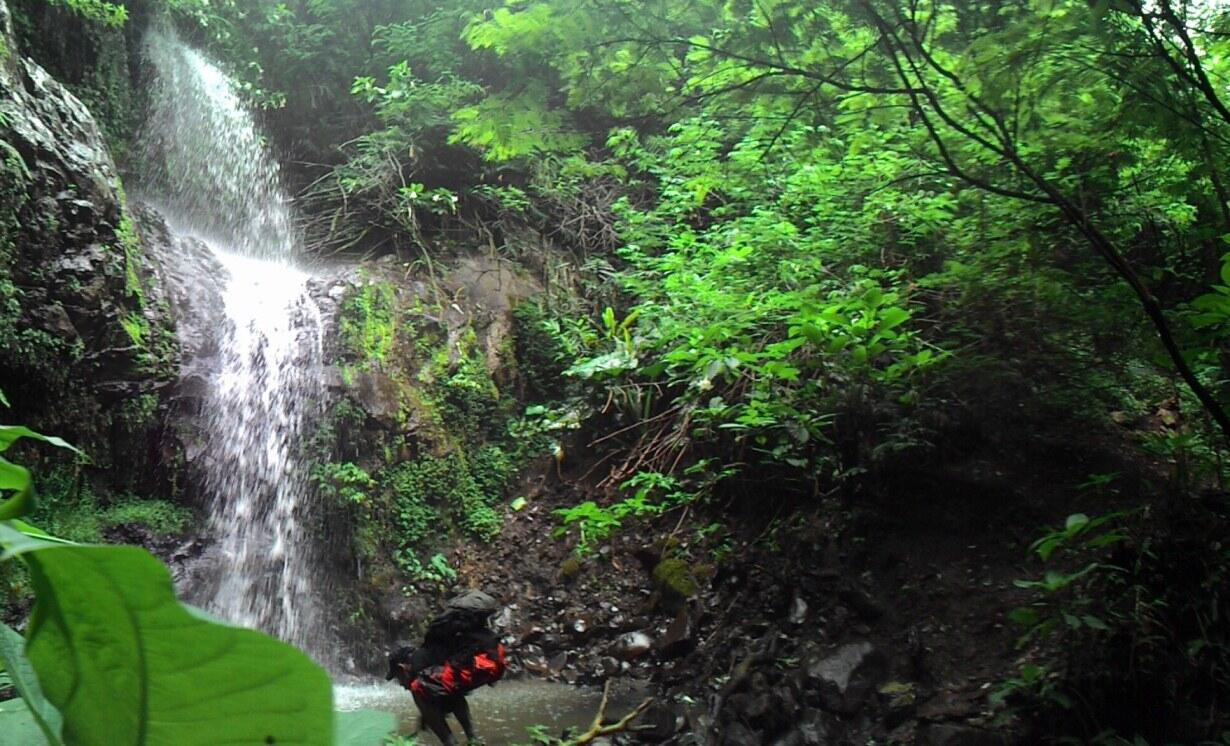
x,y
207,170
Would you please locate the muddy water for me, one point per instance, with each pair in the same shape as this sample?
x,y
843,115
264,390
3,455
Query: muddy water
x,y
501,713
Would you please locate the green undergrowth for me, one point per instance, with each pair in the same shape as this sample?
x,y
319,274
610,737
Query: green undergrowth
x,y
71,507
1125,637
367,323
410,482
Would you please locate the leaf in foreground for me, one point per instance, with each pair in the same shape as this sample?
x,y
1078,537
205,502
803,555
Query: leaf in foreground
x,y
17,725
38,709
126,663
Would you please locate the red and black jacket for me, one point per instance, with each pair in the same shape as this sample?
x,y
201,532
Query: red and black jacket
x,y
478,660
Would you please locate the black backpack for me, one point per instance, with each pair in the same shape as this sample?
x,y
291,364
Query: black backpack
x,y
452,629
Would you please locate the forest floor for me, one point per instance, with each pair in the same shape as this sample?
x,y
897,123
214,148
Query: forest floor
x,y
877,619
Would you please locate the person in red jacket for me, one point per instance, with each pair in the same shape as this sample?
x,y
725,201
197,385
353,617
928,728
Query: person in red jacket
x,y
458,655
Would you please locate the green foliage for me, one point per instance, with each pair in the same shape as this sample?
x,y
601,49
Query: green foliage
x,y
430,494
21,674
505,127
1124,610
468,399
1060,605
135,327
541,349
159,516
70,507
367,323
14,479
346,483
653,493
98,11
744,324
593,523
447,481
492,467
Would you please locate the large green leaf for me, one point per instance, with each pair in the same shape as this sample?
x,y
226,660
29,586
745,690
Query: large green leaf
x,y
10,434
12,653
16,478
18,726
126,663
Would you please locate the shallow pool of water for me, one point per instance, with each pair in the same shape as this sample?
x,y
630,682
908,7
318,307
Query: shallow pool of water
x,y
501,713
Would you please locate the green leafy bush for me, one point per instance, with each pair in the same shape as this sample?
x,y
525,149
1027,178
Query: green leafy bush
x,y
98,11
159,516
1127,625
468,398
346,483
367,322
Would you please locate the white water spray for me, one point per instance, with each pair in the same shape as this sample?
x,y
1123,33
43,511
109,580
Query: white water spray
x,y
209,174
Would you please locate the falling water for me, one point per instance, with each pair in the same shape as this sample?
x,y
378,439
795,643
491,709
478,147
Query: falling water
x,y
208,172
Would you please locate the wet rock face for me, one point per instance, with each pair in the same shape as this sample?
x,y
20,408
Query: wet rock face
x,y
188,285
81,342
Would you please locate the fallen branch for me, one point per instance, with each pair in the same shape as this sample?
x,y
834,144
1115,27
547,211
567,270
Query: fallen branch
x,y
597,729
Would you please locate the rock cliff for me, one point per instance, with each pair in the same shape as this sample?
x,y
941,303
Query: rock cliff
x,y
86,344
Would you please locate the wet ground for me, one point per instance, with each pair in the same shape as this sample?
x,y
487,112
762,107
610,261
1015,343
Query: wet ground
x,y
502,713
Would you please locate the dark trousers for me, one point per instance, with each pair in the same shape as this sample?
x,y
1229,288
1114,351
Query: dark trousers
x,y
432,711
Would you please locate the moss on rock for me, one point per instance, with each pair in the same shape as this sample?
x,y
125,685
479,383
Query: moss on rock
x,y
674,583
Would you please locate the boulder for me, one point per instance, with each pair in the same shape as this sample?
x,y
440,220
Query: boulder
x,y
379,396
844,678
93,338
659,722
674,584
680,637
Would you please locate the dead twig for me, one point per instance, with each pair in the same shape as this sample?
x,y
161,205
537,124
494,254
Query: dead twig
x,y
597,729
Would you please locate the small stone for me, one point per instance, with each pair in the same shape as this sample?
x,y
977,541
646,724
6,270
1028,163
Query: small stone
x,y
659,723
899,700
798,611
536,665
632,645
608,666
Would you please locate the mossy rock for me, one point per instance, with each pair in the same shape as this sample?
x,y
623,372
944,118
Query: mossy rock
x,y
674,583
569,568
